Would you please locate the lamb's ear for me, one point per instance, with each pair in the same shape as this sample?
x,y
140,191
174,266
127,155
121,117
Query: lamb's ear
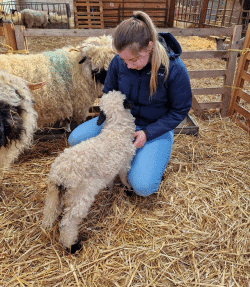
x,y
82,60
101,118
127,104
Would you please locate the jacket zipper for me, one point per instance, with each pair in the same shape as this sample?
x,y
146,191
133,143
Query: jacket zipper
x,y
139,87
139,111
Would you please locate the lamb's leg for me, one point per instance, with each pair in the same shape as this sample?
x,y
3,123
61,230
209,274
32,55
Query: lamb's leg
x,y
69,229
52,207
78,209
111,183
124,179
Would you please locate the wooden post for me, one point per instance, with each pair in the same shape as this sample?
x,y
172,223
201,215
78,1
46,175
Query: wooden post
x,y
166,14
196,107
9,34
171,13
231,65
239,81
21,40
203,13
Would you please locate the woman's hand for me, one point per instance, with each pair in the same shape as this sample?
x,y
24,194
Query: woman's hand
x,y
140,140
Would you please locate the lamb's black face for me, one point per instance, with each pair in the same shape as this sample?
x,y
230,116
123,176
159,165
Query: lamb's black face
x,y
11,124
99,76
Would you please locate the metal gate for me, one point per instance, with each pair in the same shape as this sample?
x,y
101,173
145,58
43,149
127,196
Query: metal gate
x,y
213,13
59,12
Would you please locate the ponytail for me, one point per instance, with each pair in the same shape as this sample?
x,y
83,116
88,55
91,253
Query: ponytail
x,y
140,29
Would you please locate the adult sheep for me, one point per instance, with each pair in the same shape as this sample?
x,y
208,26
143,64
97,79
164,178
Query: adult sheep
x,y
17,119
70,89
33,18
80,172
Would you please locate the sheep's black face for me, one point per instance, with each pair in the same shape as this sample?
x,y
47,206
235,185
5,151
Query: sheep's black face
x,y
99,76
11,124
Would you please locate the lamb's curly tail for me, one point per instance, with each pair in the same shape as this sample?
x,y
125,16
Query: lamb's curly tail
x,y
52,207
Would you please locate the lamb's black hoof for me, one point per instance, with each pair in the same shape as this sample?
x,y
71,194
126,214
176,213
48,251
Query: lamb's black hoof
x,y
129,192
74,248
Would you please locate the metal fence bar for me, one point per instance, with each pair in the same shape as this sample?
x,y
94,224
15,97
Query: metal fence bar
x,y
58,21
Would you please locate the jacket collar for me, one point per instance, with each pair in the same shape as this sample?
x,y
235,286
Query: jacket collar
x,y
171,44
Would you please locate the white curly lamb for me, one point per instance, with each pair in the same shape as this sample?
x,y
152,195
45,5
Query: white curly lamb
x,y
80,172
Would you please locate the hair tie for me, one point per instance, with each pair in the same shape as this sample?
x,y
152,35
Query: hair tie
x,y
134,16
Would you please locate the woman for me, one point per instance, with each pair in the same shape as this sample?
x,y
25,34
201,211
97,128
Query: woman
x,y
148,70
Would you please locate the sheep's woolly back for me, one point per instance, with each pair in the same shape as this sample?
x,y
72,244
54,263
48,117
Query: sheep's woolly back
x,y
65,89
14,92
34,18
99,50
100,157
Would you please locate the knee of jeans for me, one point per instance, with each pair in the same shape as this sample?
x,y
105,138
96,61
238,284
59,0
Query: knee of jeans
x,y
143,188
72,140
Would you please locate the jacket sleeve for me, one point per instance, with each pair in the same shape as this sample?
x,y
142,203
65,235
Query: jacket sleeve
x,y
111,80
180,98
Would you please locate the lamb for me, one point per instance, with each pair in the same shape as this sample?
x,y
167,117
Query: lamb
x,y
17,119
220,45
33,18
80,172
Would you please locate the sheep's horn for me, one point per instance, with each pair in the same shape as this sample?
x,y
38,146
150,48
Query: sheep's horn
x,y
127,104
101,118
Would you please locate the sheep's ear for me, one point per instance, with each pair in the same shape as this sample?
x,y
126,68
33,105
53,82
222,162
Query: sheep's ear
x,y
127,104
224,39
82,60
101,118
34,87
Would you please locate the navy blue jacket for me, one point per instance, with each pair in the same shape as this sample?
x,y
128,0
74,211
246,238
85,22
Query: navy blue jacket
x,y
172,100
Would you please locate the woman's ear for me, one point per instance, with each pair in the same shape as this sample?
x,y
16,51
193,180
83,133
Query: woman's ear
x,y
150,46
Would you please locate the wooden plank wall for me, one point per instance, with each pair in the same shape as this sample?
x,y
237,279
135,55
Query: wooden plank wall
x,y
88,14
115,11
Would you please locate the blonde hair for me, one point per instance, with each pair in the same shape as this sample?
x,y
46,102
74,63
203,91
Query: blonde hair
x,y
142,30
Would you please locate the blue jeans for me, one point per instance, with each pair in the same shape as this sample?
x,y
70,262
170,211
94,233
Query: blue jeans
x,y
148,164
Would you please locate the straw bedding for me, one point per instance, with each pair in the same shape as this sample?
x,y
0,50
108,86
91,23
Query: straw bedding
x,y
195,231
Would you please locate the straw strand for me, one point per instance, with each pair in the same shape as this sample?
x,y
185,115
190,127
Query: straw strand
x,y
11,50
